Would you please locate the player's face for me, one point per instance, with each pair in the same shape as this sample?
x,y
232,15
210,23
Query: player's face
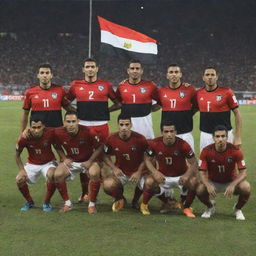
x,y
220,138
210,77
45,76
37,129
169,133
135,71
124,128
174,75
90,69
71,124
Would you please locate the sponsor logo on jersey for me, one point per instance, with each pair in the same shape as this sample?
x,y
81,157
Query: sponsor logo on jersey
x,y
143,90
213,161
125,90
201,98
81,142
54,95
176,153
165,96
182,94
81,89
36,97
160,153
101,87
230,159
133,148
116,149
218,97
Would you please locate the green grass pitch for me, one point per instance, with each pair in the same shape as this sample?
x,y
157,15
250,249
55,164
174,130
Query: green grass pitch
x,y
124,233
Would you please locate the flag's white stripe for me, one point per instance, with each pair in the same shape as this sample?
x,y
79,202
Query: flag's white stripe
x,y
128,44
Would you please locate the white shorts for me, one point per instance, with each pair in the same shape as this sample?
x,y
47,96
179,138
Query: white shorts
x,y
169,184
74,170
92,123
207,139
124,179
188,137
34,171
220,187
144,126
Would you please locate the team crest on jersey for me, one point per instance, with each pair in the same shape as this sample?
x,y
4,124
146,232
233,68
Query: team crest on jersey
x,y
176,153
218,97
46,143
230,159
133,148
81,142
182,94
143,90
101,87
54,95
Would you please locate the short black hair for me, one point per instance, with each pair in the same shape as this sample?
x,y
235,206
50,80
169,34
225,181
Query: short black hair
x,y
166,123
36,119
70,112
210,67
220,127
134,61
45,65
90,60
124,116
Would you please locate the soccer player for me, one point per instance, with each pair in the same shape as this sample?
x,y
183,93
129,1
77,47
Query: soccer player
x,y
92,95
222,169
82,148
45,100
128,147
176,168
136,96
215,103
178,102
41,161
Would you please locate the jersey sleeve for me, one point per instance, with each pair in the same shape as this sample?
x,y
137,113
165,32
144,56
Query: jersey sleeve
x,y
27,102
188,152
107,148
231,98
111,92
118,94
150,149
155,92
71,93
64,101
202,163
240,160
21,144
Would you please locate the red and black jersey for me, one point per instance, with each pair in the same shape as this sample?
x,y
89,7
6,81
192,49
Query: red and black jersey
x,y
221,166
137,99
171,159
39,149
214,107
92,99
80,147
177,105
45,104
129,153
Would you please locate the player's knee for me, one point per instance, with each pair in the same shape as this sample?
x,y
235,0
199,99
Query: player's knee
x,y
20,179
50,175
109,184
245,188
192,183
200,189
94,171
150,182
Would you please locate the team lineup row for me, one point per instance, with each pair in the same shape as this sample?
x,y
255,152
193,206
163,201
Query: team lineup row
x,y
134,96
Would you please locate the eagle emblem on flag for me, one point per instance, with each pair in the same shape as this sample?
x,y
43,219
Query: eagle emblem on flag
x,y
127,44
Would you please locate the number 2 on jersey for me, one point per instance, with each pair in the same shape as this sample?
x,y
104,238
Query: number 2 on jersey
x,y
91,93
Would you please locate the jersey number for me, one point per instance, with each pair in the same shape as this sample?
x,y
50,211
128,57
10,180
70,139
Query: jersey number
x,y
46,103
221,168
168,160
75,151
173,103
208,106
126,156
133,98
91,93
38,151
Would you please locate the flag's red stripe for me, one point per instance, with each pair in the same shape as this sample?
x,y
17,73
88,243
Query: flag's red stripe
x,y
124,32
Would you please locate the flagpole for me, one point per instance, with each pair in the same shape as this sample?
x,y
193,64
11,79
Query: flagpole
x,y
90,31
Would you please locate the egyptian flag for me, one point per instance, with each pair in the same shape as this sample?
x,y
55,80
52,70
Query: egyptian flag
x,y
126,43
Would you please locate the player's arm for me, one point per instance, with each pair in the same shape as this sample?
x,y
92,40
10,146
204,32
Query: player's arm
x,y
24,120
69,107
231,187
116,171
87,164
115,106
155,107
238,127
22,171
192,167
158,176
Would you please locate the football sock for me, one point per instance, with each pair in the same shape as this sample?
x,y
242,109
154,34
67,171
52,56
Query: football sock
x,y
62,188
189,198
205,199
84,183
183,198
147,195
50,189
91,204
163,198
23,188
242,200
117,193
137,194
94,190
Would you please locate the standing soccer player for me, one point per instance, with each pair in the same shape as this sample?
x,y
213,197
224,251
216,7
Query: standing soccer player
x,y
176,168
178,102
45,100
222,169
41,161
92,95
82,147
215,103
128,147
136,96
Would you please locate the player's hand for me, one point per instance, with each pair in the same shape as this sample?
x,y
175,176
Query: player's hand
x,y
86,164
211,190
22,175
68,162
135,177
26,134
118,172
183,180
187,84
159,177
229,191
